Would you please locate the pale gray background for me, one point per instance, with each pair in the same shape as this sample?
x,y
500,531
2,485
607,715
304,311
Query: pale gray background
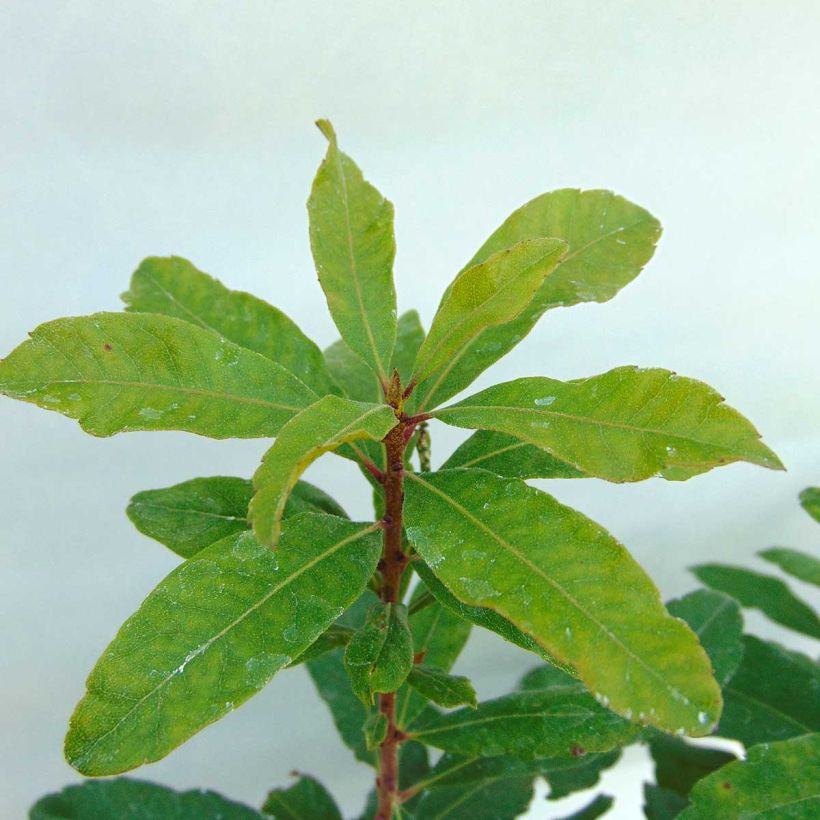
x,y
136,128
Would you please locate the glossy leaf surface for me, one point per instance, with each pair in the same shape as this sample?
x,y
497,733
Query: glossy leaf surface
x,y
307,798
380,655
125,799
490,293
609,239
774,695
530,724
440,688
509,457
481,616
325,425
351,236
776,781
116,372
172,286
176,666
799,564
625,425
764,592
715,618
584,599
194,514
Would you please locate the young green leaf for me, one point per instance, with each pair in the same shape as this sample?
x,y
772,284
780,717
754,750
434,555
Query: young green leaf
x,y
442,689
380,655
196,513
439,635
531,724
715,618
306,798
126,799
599,806
374,730
116,372
323,426
491,293
333,684
625,425
610,240
799,564
176,666
662,804
585,600
764,592
334,637
482,616
679,765
777,780
810,501
509,457
351,236
498,788
774,695
172,286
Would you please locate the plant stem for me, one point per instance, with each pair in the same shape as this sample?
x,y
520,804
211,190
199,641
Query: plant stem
x,y
393,564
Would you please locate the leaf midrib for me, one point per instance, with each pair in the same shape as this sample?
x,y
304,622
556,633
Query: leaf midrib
x,y
651,671
224,631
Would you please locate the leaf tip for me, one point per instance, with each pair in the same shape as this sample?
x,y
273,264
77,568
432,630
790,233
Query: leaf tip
x,y
326,127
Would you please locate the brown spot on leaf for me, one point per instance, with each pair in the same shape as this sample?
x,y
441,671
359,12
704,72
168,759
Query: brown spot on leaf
x,y
727,786
106,346
578,751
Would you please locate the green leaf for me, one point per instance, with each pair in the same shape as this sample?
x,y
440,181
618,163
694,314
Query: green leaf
x,y
776,781
323,426
509,457
480,616
625,425
799,564
715,618
351,236
610,240
566,775
380,655
439,635
810,501
374,730
495,788
539,723
774,695
764,592
679,765
585,600
172,286
491,293
175,666
126,799
333,685
334,637
117,372
306,799
441,688
662,804
599,806
196,513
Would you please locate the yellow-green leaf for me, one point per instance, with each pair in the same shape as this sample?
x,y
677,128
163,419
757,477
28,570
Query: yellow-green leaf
x,y
172,286
351,236
116,372
491,293
562,579
610,240
324,426
625,425
176,666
